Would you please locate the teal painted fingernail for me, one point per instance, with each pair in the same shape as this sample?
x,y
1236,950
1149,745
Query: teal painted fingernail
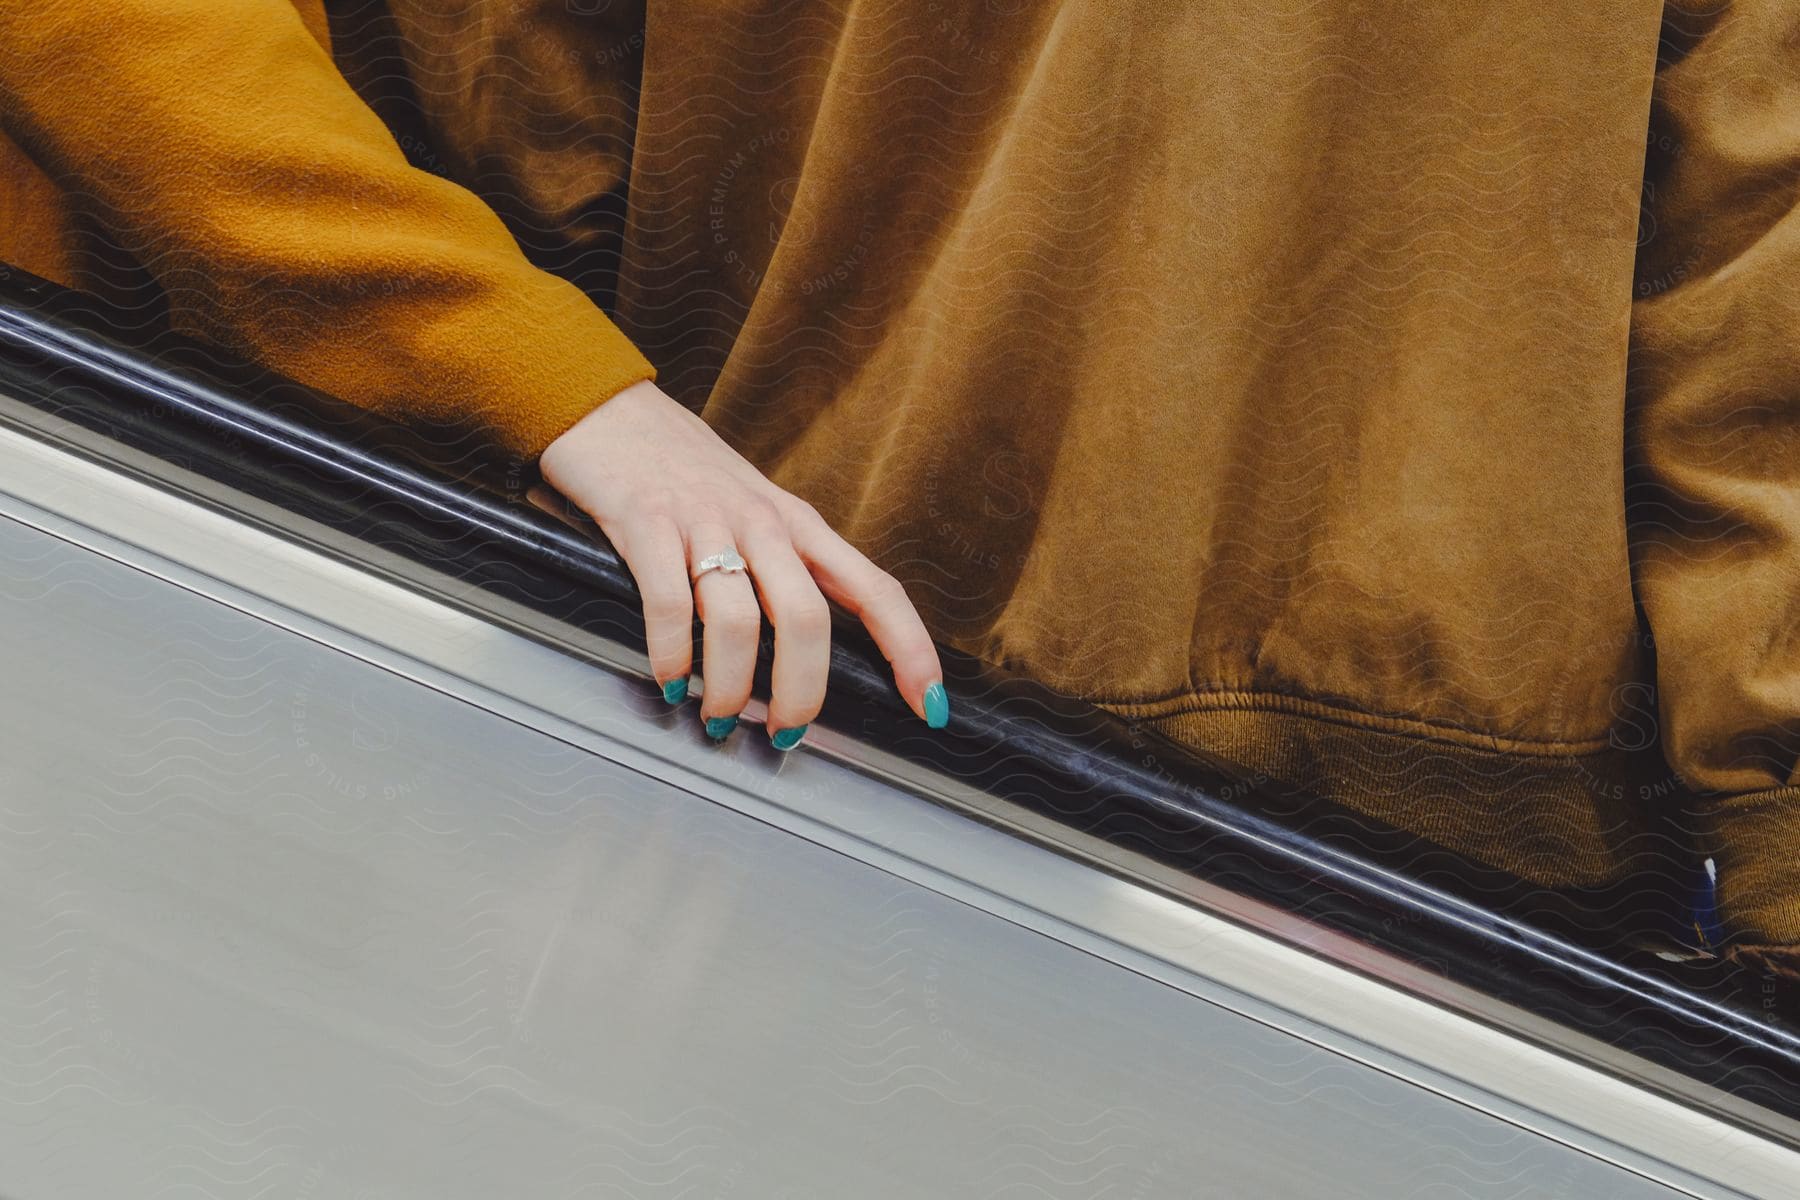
x,y
675,691
787,739
937,706
719,728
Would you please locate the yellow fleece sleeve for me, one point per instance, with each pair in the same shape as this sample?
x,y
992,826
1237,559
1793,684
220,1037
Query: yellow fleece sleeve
x,y
220,144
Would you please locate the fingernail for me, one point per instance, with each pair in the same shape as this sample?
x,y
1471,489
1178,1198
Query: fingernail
x,y
937,706
675,691
719,728
787,739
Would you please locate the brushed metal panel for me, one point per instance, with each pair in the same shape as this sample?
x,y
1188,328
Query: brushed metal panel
x,y
274,921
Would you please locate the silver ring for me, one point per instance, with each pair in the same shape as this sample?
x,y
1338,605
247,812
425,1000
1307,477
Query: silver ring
x,y
726,562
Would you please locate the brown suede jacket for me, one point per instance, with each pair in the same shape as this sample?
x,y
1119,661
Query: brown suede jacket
x,y
1337,388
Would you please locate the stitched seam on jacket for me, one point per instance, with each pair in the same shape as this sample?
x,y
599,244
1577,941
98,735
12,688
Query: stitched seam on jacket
x,y
1355,718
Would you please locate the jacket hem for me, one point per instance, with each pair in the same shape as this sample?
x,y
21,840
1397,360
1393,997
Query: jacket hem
x,y
1554,820
1173,707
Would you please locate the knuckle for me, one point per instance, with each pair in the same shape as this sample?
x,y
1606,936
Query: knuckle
x,y
801,512
759,513
885,590
736,619
652,511
704,510
664,609
806,618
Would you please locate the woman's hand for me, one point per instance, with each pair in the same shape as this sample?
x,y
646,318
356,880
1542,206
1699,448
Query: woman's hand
x,y
669,493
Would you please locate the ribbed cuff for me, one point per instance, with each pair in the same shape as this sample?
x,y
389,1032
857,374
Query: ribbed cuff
x,y
1754,839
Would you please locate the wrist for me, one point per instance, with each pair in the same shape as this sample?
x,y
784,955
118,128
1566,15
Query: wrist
x,y
567,445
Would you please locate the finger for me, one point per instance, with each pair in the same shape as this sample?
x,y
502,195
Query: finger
x,y
877,599
657,558
802,622
732,623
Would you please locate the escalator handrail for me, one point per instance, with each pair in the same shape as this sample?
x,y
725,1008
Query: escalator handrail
x,y
63,357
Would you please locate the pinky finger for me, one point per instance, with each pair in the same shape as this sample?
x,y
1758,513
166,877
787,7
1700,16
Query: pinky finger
x,y
876,599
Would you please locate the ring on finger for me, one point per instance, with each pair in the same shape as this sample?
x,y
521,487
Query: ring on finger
x,y
727,562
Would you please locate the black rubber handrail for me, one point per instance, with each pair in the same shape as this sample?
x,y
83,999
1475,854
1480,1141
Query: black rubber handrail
x,y
63,358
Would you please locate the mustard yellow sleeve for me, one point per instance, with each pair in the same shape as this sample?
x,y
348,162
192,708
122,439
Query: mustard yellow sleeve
x,y
219,143
1714,446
